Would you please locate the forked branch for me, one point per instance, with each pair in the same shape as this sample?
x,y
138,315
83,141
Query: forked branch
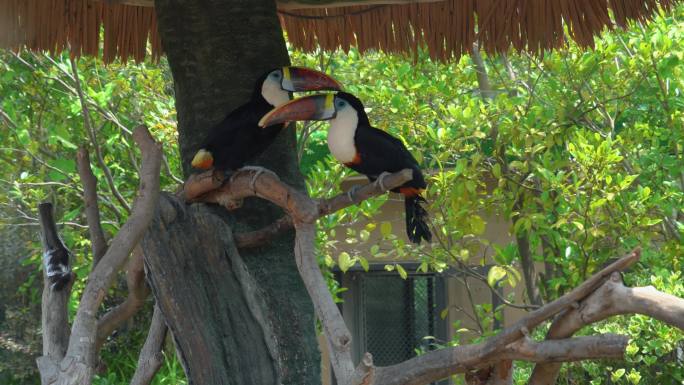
x,y
512,343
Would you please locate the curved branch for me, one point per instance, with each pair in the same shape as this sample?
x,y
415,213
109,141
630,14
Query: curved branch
x,y
613,298
97,237
442,363
84,330
325,206
137,292
151,357
208,187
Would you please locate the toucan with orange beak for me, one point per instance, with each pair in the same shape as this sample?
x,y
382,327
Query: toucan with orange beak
x,y
238,138
363,148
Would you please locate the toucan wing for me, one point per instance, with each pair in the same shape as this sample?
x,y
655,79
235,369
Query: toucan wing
x,y
381,152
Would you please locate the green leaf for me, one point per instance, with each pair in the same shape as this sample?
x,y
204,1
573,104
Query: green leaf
x,y
401,271
477,224
444,313
617,374
495,274
364,263
386,229
345,261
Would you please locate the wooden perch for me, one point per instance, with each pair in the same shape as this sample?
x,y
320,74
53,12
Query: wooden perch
x,y
77,365
511,344
442,363
151,356
613,298
55,322
137,292
206,187
97,237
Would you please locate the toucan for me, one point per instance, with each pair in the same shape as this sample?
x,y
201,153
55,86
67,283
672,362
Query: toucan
x,y
363,148
238,138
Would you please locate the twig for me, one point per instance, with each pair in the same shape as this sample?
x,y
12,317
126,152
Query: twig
x,y
611,299
151,357
87,123
81,352
97,237
137,292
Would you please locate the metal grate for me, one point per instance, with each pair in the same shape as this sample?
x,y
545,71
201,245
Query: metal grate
x,y
396,315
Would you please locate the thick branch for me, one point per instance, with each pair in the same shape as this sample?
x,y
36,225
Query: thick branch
x,y
55,321
613,298
82,342
208,187
533,319
137,292
97,237
442,363
325,207
151,357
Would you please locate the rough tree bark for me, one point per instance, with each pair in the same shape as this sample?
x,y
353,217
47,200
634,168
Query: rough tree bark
x,y
236,317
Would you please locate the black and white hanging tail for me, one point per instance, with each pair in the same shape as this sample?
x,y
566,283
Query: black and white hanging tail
x,y
55,254
416,219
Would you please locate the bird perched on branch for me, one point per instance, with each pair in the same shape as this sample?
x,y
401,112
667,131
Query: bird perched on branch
x,y
363,148
238,138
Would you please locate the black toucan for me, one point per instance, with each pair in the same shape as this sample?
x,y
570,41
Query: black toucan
x,y
238,138
361,147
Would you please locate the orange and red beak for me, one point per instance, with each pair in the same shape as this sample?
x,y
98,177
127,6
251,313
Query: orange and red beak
x,y
297,79
313,107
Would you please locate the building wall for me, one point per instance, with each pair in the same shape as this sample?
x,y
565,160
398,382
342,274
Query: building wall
x,y
458,300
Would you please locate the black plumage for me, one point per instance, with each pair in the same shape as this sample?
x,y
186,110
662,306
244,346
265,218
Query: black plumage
x,y
237,138
378,152
354,142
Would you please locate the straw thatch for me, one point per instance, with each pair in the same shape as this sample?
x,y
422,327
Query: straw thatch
x,y
447,28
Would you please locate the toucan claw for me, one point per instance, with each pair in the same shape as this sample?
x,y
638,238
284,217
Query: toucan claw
x,y
257,172
351,194
380,179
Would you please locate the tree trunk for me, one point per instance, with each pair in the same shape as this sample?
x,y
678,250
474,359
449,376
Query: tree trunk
x,y
237,317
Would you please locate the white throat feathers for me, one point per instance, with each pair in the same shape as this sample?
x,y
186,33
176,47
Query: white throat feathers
x,y
341,135
274,94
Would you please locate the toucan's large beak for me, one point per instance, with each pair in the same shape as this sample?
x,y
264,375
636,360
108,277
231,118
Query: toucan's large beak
x,y
313,107
305,79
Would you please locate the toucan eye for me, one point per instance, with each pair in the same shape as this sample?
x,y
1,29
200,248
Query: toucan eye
x,y
275,75
341,103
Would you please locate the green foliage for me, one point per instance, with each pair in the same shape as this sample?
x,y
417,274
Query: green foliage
x,y
580,152
41,127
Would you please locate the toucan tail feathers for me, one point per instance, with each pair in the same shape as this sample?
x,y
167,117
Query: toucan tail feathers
x,y
416,219
58,270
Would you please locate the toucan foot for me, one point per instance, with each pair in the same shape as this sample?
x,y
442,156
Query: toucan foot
x,y
258,170
220,176
380,179
351,194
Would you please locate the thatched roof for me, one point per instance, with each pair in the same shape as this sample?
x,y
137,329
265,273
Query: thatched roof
x,y
448,27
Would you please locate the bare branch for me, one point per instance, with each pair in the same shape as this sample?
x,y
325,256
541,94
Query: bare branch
x,y
137,292
208,187
611,299
325,207
533,319
151,357
97,237
55,321
442,363
81,352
